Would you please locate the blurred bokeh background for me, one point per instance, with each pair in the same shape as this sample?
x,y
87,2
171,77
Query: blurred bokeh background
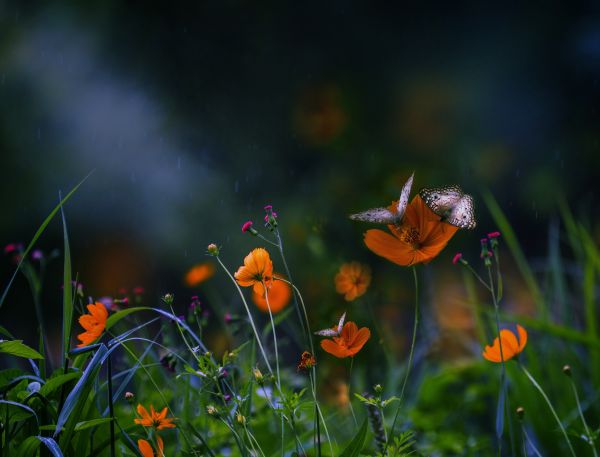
x,y
195,115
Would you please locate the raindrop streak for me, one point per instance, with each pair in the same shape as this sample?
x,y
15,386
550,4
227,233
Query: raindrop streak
x,y
236,187
179,163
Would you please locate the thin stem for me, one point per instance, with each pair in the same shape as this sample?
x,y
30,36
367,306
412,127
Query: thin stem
x,y
479,278
526,440
274,336
350,391
503,373
585,425
111,406
410,356
260,346
541,391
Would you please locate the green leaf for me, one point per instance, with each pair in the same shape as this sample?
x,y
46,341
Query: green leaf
x,y
51,445
54,383
17,348
116,317
91,423
355,447
38,234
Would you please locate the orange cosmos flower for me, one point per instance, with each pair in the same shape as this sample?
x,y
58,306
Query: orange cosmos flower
x,y
257,269
279,296
199,273
94,324
350,341
154,419
419,239
352,280
510,346
146,448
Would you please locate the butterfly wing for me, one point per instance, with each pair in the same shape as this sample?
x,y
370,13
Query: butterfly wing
x,y
441,200
376,215
327,332
384,215
341,324
404,196
463,213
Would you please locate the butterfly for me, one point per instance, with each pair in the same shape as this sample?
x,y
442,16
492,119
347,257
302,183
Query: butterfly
x,y
333,332
451,204
384,215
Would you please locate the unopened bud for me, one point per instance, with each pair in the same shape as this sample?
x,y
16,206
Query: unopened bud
x,y
213,411
567,370
240,418
129,396
377,388
520,412
213,249
258,376
168,299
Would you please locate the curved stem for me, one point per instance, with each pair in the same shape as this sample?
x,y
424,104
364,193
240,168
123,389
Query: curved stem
x,y
410,357
350,391
585,425
260,346
558,421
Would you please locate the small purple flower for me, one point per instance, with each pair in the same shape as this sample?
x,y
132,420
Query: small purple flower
x,y
227,397
37,254
13,247
228,318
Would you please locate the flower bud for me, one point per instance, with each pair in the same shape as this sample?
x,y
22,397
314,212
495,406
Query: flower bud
x,y
129,396
520,412
168,299
258,376
247,227
567,370
212,410
240,418
213,249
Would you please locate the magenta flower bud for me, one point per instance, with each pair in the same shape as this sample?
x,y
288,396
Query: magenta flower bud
x,y
269,208
37,254
138,290
456,258
247,225
493,235
228,318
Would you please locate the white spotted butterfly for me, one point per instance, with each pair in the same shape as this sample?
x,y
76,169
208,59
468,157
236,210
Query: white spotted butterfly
x,y
451,204
333,332
384,215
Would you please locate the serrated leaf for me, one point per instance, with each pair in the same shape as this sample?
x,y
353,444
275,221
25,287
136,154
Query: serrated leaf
x,y
18,349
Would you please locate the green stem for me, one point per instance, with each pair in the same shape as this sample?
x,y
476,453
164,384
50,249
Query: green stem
x,y
350,391
410,357
558,421
111,406
589,434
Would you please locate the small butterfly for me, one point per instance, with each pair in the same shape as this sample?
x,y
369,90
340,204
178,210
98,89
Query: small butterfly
x,y
451,204
333,332
384,215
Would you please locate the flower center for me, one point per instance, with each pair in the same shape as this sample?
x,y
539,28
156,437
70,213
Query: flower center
x,y
410,235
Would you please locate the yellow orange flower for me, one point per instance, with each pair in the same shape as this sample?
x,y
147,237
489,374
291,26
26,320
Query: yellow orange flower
x,y
510,346
420,237
352,280
94,323
279,296
350,341
153,419
257,269
146,448
199,273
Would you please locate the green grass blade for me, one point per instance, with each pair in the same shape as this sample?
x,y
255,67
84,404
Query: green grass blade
x,y
76,400
508,234
51,445
38,234
355,447
67,291
18,349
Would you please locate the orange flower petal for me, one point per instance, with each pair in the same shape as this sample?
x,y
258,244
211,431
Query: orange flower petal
x,y
522,337
389,247
360,338
279,295
334,349
145,448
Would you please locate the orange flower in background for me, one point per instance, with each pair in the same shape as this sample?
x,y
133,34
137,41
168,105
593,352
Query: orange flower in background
x,y
146,448
257,268
352,280
199,273
419,239
94,324
350,341
279,296
510,346
153,419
